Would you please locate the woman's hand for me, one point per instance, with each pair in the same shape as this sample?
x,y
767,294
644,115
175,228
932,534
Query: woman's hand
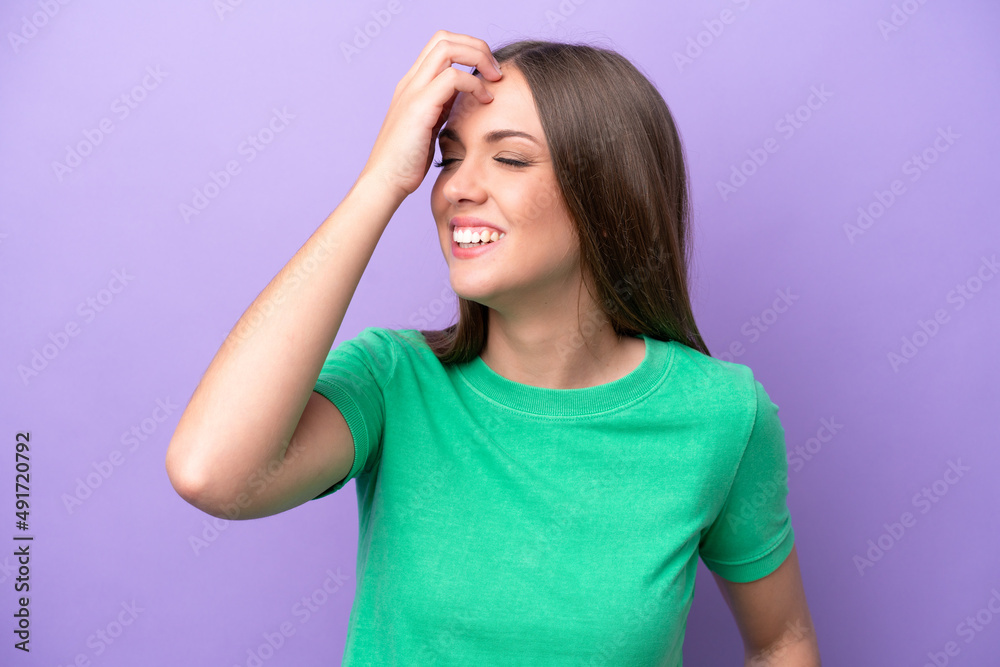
x,y
423,98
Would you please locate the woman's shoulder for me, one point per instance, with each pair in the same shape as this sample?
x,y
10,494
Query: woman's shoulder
x,y
387,336
690,361
727,384
407,346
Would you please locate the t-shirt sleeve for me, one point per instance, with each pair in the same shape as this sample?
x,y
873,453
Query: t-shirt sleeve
x,y
752,534
353,378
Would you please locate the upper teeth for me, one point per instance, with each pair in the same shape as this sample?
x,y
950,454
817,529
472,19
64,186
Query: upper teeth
x,y
468,236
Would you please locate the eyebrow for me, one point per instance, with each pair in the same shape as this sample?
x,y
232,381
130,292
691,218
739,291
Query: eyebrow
x,y
490,137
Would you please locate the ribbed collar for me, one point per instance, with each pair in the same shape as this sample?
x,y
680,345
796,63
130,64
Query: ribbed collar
x,y
573,402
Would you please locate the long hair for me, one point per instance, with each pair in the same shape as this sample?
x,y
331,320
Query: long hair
x,y
620,166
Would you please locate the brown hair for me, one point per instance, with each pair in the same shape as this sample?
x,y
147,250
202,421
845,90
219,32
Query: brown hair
x,y
619,163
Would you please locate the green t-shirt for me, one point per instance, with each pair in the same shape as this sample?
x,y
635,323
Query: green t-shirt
x,y
506,524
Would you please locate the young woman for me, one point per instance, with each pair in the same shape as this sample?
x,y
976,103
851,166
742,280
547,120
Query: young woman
x,y
535,483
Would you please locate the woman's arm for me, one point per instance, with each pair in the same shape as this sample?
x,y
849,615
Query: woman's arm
x,y
243,413
773,618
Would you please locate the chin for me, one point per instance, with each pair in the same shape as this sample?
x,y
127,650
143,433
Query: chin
x,y
471,291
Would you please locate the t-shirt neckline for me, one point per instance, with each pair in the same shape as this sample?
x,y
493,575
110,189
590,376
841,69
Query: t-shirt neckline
x,y
572,402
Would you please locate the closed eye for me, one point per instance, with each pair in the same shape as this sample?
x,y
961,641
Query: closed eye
x,y
513,163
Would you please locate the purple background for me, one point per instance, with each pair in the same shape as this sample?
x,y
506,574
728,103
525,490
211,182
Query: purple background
x,y
62,237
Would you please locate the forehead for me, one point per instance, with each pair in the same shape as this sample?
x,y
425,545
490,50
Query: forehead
x,y
512,107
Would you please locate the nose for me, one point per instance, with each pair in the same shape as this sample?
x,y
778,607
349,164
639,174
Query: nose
x,y
463,183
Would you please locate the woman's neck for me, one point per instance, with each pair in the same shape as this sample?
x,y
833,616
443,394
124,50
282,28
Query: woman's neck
x,y
556,358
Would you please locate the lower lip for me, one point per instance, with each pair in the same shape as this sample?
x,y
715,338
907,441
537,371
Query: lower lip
x,y
468,253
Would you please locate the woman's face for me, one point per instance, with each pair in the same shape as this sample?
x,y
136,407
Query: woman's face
x,y
509,184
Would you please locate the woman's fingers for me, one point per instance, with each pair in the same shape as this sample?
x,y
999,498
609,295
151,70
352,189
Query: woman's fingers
x,y
483,60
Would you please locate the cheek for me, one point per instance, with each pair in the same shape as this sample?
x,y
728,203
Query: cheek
x,y
544,215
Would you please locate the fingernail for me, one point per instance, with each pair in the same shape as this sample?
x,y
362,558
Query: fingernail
x,y
496,64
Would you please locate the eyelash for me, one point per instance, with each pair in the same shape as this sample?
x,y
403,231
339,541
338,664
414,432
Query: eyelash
x,y
513,163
